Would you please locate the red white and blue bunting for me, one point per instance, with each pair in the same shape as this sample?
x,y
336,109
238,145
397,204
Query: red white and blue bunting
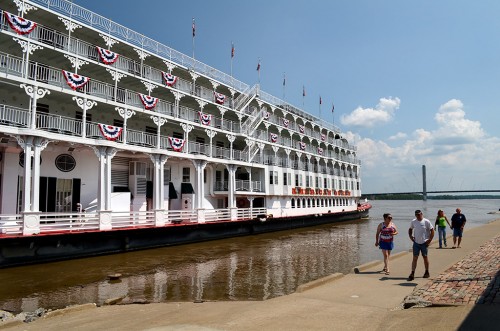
x,y
266,115
176,143
274,137
301,128
19,24
302,146
320,151
107,56
286,122
169,79
219,98
323,137
205,119
110,132
75,81
148,101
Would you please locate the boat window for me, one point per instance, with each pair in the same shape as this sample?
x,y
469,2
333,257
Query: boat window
x,y
65,162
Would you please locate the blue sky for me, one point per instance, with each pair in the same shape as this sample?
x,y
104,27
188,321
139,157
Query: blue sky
x,y
413,82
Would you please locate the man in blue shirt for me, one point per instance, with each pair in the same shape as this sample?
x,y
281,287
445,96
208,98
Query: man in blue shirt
x,y
457,224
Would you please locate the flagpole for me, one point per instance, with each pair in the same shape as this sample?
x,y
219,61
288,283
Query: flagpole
x,y
333,114
194,34
258,71
303,95
284,84
320,107
232,55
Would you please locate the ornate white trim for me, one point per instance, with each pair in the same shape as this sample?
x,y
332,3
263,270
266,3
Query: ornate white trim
x,y
230,137
70,25
194,75
34,91
201,103
27,46
275,148
84,103
23,7
149,86
108,40
115,74
124,112
210,133
186,127
159,121
222,110
214,84
177,95
142,55
75,62
169,65
249,142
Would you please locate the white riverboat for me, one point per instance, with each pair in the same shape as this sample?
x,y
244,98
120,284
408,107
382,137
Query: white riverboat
x,y
134,141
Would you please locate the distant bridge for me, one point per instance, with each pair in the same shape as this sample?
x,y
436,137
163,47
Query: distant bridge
x,y
424,191
434,192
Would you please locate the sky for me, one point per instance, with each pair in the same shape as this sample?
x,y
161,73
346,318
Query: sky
x,y
413,82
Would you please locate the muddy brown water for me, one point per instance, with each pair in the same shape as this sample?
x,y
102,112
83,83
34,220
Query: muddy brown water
x,y
246,268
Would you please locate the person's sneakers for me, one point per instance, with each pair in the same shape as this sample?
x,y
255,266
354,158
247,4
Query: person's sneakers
x,y
411,277
426,274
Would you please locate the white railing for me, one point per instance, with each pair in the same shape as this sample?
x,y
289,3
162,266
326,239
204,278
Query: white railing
x,y
251,213
14,116
111,28
53,76
214,215
69,222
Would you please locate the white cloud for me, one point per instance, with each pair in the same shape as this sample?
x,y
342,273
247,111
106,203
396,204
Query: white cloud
x,y
458,152
369,117
398,136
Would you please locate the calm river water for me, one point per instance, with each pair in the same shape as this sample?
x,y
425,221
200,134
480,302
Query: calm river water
x,y
247,268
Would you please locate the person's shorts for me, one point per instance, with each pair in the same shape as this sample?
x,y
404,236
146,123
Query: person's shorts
x,y
457,232
388,246
417,248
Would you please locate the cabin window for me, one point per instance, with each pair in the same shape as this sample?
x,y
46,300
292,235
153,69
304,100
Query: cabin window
x,y
186,175
65,162
178,135
317,182
79,116
273,177
118,123
151,130
293,203
307,181
285,179
325,183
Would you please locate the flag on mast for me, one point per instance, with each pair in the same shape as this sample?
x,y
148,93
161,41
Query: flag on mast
x,y
320,101
194,28
303,91
284,79
232,50
258,66
333,107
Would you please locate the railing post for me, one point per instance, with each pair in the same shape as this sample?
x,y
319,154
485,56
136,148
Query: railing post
x,y
31,222
105,219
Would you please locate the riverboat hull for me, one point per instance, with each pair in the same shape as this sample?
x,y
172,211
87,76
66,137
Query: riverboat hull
x,y
23,250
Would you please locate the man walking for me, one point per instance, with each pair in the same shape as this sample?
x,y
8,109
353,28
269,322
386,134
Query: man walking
x,y
421,233
457,224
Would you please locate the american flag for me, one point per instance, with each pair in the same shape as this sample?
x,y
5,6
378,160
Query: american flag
x,y
258,66
303,91
320,101
232,50
194,28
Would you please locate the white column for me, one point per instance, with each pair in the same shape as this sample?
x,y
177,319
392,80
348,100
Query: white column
x,y
39,145
28,146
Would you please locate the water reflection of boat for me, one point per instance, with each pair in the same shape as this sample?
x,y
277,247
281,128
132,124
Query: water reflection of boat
x,y
183,152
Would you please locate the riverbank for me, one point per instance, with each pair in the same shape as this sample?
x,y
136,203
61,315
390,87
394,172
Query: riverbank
x,y
459,295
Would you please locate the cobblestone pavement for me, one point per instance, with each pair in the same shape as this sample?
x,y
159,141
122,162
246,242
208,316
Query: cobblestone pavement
x,y
473,280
